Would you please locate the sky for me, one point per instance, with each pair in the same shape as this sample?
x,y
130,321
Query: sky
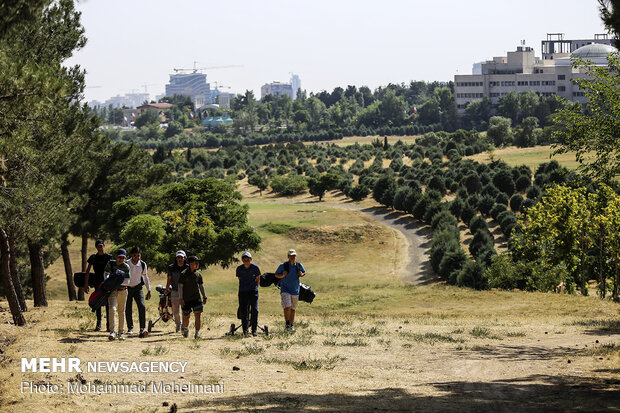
x,y
133,45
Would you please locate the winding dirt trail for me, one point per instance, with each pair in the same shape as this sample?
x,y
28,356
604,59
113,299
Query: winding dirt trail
x,y
417,269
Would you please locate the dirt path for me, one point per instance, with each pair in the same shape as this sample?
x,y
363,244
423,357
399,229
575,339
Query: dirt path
x,y
417,269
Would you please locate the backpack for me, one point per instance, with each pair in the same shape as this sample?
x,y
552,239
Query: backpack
x,y
287,266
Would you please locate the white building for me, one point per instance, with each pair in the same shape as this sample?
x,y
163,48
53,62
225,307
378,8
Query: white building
x,y
276,89
522,71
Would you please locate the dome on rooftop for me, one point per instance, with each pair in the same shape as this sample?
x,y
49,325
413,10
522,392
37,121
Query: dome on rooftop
x,y
594,51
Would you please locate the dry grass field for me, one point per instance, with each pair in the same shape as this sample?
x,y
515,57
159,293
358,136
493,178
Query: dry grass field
x,y
531,157
369,341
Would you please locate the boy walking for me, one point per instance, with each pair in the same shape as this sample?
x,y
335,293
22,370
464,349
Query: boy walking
x,y
191,290
249,278
139,277
289,273
118,298
98,263
172,284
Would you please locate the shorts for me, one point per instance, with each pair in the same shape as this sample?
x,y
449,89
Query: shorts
x,y
289,300
194,305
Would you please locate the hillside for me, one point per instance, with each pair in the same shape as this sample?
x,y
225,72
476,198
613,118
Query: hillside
x,y
369,341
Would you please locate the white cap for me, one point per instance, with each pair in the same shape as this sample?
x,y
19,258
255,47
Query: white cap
x,y
181,253
246,254
292,252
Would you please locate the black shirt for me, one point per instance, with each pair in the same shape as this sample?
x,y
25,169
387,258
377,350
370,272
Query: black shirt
x,y
190,281
175,271
98,262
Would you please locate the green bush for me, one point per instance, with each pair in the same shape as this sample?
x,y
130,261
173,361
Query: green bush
x,y
451,263
289,184
472,276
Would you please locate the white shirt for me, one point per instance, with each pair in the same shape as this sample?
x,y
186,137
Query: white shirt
x,y
137,274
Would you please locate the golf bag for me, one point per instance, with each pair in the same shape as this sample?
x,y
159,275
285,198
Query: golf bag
x,y
101,293
305,291
268,279
306,294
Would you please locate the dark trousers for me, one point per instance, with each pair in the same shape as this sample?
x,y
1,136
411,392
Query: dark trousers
x,y
136,294
98,313
248,300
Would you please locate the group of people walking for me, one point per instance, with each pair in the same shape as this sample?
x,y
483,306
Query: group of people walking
x,y
186,288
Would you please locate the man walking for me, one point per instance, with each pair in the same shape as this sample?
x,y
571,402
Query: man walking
x,y
98,263
139,277
249,278
289,273
190,290
172,284
118,298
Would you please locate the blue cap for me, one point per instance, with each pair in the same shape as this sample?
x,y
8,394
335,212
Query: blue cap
x,y
121,253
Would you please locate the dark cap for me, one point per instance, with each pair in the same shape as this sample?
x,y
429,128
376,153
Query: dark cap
x,y
193,258
98,242
121,253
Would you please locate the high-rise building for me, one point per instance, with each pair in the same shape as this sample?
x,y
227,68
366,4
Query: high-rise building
x,y
193,85
522,71
295,84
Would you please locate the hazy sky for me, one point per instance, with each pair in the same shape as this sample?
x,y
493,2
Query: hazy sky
x,y
328,43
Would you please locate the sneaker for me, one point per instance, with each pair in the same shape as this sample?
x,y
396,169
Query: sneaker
x,y
130,332
98,327
197,335
121,336
143,333
291,328
245,333
185,332
112,336
287,328
178,329
254,333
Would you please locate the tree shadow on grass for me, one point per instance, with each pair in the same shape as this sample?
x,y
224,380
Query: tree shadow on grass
x,y
536,393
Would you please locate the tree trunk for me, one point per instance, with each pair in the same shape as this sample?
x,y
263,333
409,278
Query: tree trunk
x,y
602,278
616,282
7,282
84,252
67,261
17,281
37,274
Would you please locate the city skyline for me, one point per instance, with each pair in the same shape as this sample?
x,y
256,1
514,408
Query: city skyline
x,y
328,44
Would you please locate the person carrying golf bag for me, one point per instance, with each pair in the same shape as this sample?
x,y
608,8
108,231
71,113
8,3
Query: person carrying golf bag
x,y
98,263
289,272
249,277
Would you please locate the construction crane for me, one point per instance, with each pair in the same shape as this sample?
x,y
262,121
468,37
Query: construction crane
x,y
196,69
147,84
218,86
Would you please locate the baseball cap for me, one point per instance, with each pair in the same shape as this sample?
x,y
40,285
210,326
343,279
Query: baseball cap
x,y
193,258
98,242
121,253
246,254
292,252
181,253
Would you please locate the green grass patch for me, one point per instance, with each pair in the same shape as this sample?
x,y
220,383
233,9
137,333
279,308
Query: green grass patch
x,y
611,325
431,338
247,350
327,363
277,228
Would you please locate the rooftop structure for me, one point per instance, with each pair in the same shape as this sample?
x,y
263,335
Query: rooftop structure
x,y
522,71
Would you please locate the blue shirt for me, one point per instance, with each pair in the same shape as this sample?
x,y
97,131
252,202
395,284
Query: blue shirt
x,y
247,277
290,283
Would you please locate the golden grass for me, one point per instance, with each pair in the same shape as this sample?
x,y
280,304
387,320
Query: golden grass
x,y
531,157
